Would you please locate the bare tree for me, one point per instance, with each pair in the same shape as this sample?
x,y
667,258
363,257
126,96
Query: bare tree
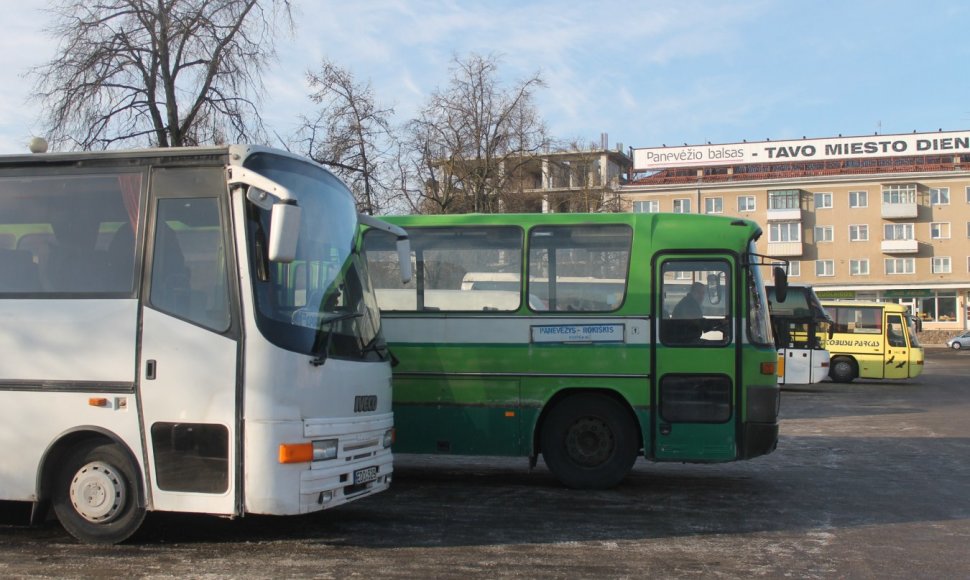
x,y
469,139
350,133
157,72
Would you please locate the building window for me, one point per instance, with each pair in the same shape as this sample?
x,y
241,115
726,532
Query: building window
x,y
859,267
940,196
682,205
794,269
858,232
900,266
649,206
714,205
784,199
858,199
968,194
899,193
823,234
746,202
898,231
785,232
940,230
941,307
824,268
823,201
941,265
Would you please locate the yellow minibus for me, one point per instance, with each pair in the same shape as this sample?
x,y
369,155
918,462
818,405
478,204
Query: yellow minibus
x,y
871,340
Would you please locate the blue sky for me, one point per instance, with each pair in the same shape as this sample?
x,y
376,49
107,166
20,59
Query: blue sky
x,y
646,73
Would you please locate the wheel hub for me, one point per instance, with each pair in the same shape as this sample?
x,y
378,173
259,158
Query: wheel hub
x,y
97,492
589,442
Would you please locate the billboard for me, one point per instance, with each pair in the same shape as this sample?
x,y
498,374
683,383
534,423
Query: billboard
x,y
870,146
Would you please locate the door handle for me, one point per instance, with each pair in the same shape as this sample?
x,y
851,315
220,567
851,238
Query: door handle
x,y
150,367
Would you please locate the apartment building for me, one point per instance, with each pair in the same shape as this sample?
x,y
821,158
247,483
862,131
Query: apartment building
x,y
882,217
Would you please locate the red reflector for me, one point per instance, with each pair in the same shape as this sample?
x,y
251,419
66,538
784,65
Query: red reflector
x,y
768,368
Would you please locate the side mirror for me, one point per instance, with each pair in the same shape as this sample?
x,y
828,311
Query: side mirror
x,y
714,288
403,243
404,259
284,231
781,283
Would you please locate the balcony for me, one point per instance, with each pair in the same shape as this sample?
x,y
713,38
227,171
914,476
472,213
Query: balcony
x,y
784,249
892,211
787,214
900,246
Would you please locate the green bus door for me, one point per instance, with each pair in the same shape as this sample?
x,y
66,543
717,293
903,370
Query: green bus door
x,y
693,411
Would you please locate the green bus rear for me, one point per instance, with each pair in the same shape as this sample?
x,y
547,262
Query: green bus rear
x,y
570,336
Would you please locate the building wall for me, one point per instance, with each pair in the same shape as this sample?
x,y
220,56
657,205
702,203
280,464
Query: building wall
x,y
815,235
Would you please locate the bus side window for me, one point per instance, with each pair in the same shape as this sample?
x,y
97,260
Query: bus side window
x,y
895,333
188,263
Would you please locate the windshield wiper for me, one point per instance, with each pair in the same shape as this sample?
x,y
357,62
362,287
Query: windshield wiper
x,y
322,356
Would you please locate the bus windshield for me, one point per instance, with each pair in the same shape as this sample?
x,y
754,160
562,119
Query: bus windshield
x,y
321,303
759,318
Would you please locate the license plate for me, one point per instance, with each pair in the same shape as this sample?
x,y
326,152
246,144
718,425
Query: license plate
x,y
365,475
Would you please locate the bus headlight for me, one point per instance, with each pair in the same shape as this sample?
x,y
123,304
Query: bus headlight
x,y
388,438
325,449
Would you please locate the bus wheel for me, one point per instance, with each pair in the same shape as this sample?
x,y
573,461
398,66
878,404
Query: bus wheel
x,y
96,494
589,442
842,370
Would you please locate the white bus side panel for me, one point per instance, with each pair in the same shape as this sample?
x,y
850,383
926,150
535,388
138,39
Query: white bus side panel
x,y
68,340
53,356
27,437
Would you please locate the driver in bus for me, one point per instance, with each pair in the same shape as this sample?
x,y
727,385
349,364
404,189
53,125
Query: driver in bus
x,y
689,317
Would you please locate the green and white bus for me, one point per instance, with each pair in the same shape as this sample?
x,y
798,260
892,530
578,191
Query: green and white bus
x,y
570,336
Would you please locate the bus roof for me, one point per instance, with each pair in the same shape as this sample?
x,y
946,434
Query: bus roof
x,y
801,303
890,306
231,154
674,230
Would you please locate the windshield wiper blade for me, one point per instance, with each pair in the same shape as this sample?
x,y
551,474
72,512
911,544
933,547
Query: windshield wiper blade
x,y
322,356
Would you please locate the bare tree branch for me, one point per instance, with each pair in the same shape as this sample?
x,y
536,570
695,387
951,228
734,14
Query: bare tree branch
x,y
469,139
350,133
157,72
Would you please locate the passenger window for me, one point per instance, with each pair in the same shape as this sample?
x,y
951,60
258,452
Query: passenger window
x,y
69,233
578,268
467,269
189,276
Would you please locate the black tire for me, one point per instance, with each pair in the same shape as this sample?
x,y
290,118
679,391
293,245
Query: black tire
x,y
956,346
589,441
842,370
96,495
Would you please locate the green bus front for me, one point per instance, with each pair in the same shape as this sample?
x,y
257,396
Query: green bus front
x,y
563,335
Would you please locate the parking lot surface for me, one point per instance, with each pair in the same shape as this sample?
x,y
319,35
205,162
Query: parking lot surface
x,y
871,480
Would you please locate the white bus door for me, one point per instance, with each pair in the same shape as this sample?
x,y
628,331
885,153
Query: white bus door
x,y
189,348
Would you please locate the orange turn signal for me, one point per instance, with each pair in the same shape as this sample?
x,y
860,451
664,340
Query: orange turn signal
x,y
296,452
769,368
98,402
